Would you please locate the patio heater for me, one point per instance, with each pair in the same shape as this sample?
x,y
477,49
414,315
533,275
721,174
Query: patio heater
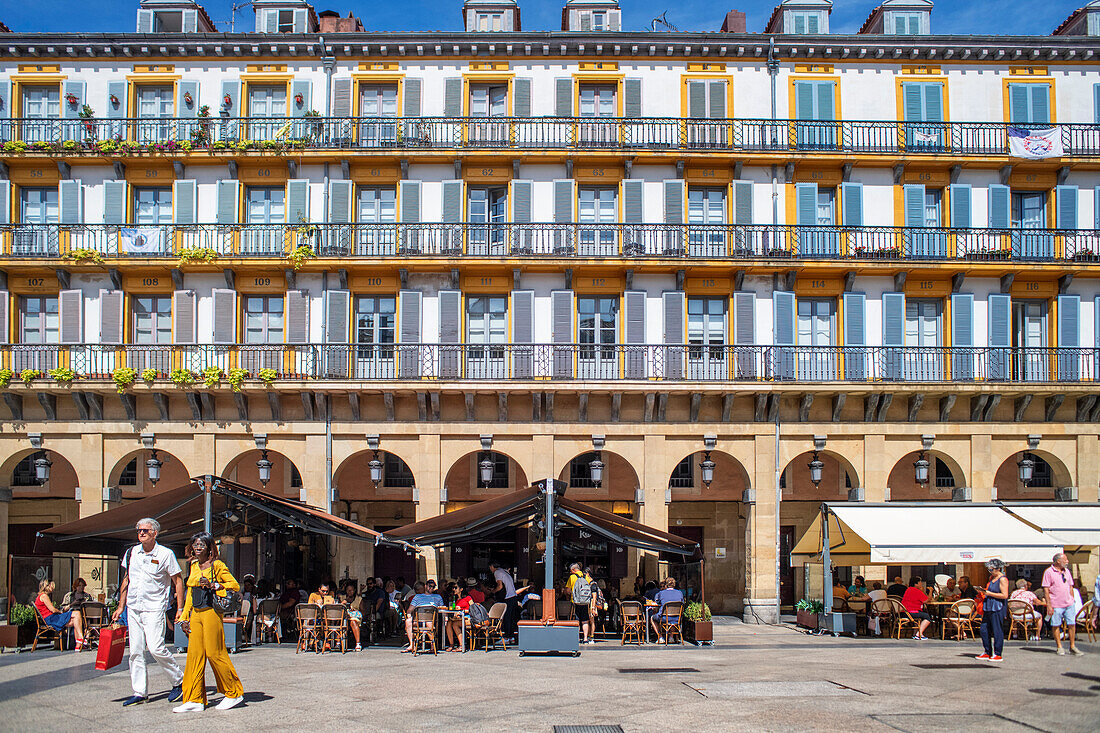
x,y
548,635
153,467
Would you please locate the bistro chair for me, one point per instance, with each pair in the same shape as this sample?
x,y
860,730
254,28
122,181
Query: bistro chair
x,y
960,616
902,618
669,622
534,609
334,622
267,621
633,619
1084,619
95,618
884,610
308,616
563,609
423,628
46,633
492,628
1023,616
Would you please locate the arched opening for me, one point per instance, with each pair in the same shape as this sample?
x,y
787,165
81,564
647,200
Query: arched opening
x,y
714,516
944,476
132,474
1047,474
285,479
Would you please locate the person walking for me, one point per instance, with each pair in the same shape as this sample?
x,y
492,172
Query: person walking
x,y
150,574
993,611
505,591
203,626
1058,584
579,589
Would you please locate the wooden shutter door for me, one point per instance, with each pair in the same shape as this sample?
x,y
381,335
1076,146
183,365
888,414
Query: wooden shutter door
x,y
634,318
408,363
673,305
561,327
523,334
450,334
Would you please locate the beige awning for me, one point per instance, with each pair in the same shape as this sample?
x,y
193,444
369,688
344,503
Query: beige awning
x,y
1075,526
924,534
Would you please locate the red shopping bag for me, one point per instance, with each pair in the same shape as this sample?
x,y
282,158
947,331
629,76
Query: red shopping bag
x,y
112,645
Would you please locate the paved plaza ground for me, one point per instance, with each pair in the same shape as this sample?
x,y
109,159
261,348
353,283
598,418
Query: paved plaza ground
x,y
754,678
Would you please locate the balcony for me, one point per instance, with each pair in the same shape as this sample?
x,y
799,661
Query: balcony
x,y
570,241
715,363
99,137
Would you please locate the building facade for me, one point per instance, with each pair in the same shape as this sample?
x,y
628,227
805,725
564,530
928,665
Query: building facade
x,y
516,249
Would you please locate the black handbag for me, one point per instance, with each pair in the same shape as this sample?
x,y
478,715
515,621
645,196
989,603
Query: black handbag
x,y
227,605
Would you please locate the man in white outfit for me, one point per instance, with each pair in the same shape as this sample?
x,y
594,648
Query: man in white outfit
x,y
150,571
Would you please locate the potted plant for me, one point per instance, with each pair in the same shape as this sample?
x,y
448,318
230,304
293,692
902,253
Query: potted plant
x,y
809,613
697,624
21,628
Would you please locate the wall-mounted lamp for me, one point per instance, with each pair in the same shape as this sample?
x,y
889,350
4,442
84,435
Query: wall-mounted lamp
x,y
706,468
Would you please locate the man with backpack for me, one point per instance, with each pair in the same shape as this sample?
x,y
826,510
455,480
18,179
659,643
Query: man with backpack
x,y
580,590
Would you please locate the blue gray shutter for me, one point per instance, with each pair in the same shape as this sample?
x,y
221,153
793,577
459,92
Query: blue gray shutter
x,y
337,305
70,194
110,316
784,331
410,202
271,21
561,332
806,203
224,303
521,201
674,201
804,100
1096,211
852,195
228,211
1066,199
452,202
962,335
893,334
563,97
5,317
1019,108
632,98
450,334
408,362
300,20
960,205
452,97
855,336
5,99
145,21
297,316
341,98
521,97
305,88
913,102
697,99
674,303
70,307
914,205
339,201
523,333
825,105
933,102
1096,103
183,317
742,203
5,202
190,22
1069,337
1000,335
183,88
716,94
1040,104
999,202
563,201
414,92
634,318
114,202
633,201
297,200
185,197
744,335
118,90
232,89
75,88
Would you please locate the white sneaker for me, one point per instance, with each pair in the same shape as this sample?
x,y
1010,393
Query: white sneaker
x,y
189,707
229,702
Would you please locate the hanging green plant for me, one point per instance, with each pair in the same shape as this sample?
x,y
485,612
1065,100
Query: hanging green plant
x,y
298,257
83,255
5,377
182,377
29,375
192,255
149,375
236,378
15,146
267,376
124,377
62,375
211,376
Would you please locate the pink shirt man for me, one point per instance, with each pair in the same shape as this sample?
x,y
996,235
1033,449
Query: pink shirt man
x,y
1059,585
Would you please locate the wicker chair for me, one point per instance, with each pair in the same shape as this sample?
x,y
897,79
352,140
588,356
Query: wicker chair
x,y
1084,619
334,624
95,618
1021,615
669,622
423,628
492,628
884,609
902,618
308,616
46,633
267,620
633,622
960,616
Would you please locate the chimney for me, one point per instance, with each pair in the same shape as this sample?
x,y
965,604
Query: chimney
x,y
734,22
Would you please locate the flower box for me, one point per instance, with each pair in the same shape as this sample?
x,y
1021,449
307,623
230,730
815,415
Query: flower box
x,y
700,632
809,619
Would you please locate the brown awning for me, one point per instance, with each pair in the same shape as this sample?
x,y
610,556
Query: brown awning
x,y
520,508
180,512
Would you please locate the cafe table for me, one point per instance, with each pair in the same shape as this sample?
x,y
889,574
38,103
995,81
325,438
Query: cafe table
x,y
461,615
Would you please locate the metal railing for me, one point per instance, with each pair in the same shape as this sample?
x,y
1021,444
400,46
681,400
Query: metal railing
x,y
541,133
599,362
693,241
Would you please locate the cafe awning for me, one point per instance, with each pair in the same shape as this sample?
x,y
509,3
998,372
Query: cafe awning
x,y
1074,526
923,533
522,507
236,509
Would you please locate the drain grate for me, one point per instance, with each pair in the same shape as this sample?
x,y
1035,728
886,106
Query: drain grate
x,y
657,670
588,729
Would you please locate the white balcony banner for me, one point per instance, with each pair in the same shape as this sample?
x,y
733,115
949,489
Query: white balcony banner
x,y
141,240
1035,144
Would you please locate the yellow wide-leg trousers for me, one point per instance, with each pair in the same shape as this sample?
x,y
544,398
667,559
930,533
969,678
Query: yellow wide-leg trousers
x,y
207,642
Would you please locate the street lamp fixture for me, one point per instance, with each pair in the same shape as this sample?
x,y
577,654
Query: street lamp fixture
x,y
595,470
264,467
153,467
485,468
375,469
707,469
42,469
920,469
816,468
1026,466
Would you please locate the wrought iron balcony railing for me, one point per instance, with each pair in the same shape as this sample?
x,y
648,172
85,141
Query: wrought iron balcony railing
x,y
692,241
101,136
571,362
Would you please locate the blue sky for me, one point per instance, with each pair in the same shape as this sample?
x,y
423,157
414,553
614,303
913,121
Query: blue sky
x,y
950,16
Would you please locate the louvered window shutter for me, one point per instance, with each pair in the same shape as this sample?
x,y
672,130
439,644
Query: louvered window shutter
x,y
118,90
856,360
185,196
697,99
76,89
70,306
563,97
232,89
716,109
297,317
852,195
999,203
110,316
145,21
521,102
825,100
1096,213
523,333
634,319
414,92
674,201
341,98
297,200
228,211
300,21
339,201
450,333
190,21
271,21
184,88
632,98
521,201
960,205
1000,335
114,202
224,316
1096,103
1066,198
1069,337
804,100
452,97
5,202
5,99
183,317
563,201
893,334
561,332
744,319
337,308
305,88
933,102
742,203
452,202
633,201
71,201
806,203
5,317
673,306
784,330
914,205
410,202
962,335
408,362
1040,104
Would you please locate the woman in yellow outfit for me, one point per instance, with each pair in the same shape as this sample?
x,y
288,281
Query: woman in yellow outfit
x,y
203,626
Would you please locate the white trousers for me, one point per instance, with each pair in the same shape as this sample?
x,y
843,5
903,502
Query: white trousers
x,y
146,634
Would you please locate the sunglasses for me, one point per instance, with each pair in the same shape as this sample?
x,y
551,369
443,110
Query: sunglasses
x,y
146,531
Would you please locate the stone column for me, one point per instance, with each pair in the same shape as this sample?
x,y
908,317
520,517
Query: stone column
x,y
982,470
876,468
760,537
654,483
92,477
5,502
429,478
1088,468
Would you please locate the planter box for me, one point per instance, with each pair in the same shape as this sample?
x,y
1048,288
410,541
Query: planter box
x,y
13,637
809,619
701,632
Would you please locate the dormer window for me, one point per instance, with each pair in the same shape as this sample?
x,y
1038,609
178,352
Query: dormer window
x,y
167,22
490,21
802,23
599,21
286,21
907,24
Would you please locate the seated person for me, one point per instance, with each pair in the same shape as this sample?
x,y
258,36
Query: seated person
x,y
287,601
965,589
391,608
877,593
475,590
651,591
858,587
355,616
74,598
323,595
419,599
249,604
913,601
1023,593
951,591
897,588
669,594
55,619
839,591
374,600
453,625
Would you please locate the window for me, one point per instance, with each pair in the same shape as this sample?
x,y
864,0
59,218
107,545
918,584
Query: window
x,y
923,322
152,319
265,205
489,208
580,475
167,22
488,100
40,323
815,106
378,100
597,206
295,477
395,473
490,21
24,473
1029,210
38,206
1042,476
128,477
263,319
377,205
486,321
933,207
907,24
597,100
826,206
706,327
41,102
599,20
267,100
286,21
683,476
375,324
803,23
152,206
944,479
706,206
154,102
816,318
1029,104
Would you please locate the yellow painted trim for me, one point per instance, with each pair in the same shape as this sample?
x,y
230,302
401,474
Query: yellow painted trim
x,y
598,80
791,99
921,69
686,77
1010,80
39,69
153,81
814,68
18,82
378,66
899,84
488,78
266,68
1028,71
597,66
